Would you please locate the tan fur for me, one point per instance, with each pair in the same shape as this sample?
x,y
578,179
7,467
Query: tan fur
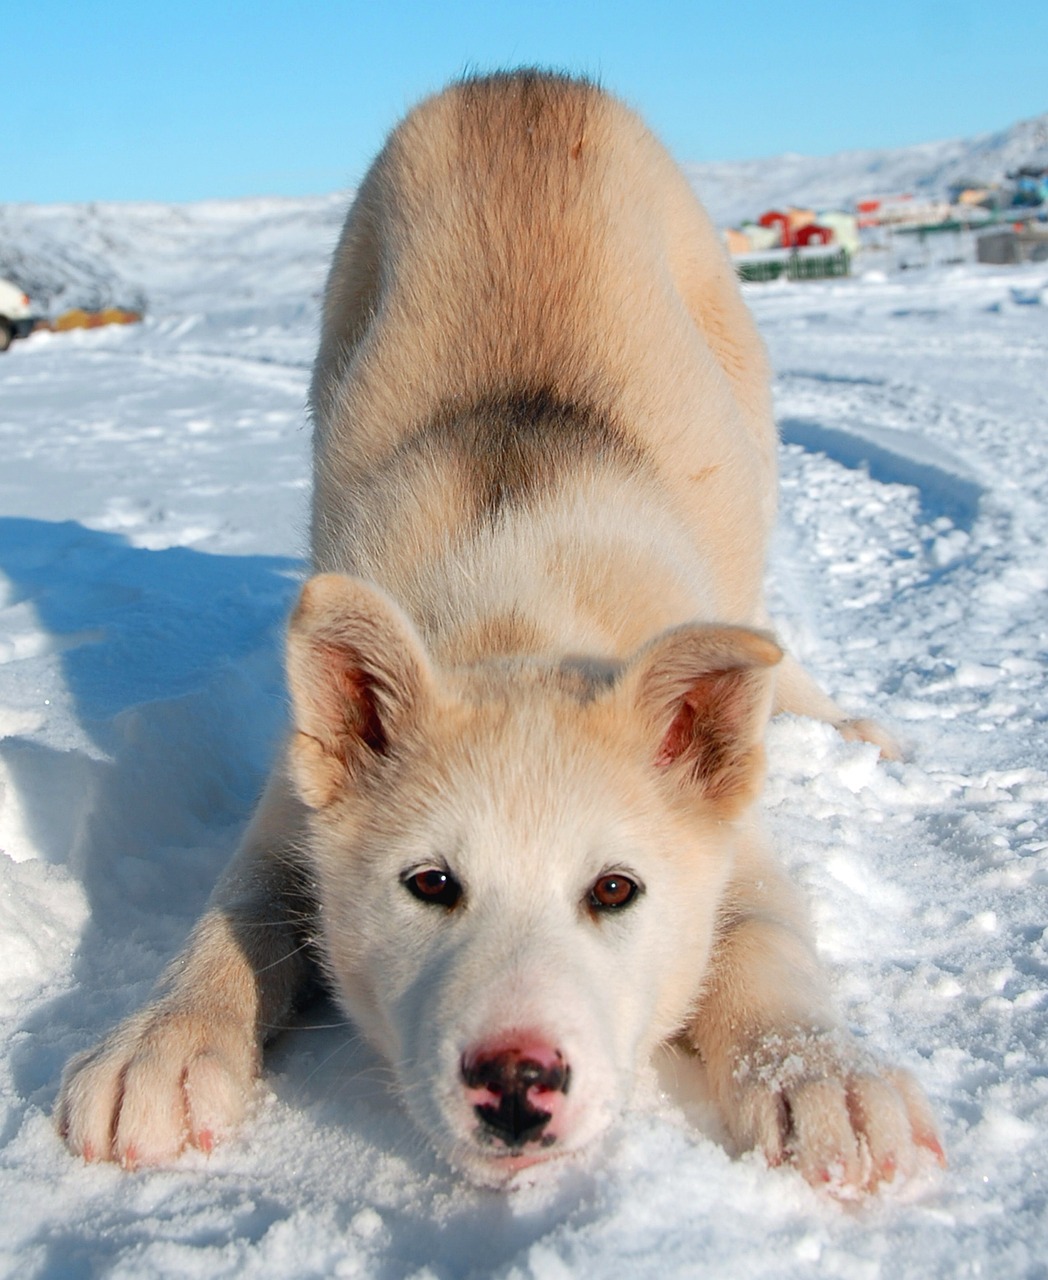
x,y
532,656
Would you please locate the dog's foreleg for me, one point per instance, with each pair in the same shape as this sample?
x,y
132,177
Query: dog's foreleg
x,y
786,1078
179,1072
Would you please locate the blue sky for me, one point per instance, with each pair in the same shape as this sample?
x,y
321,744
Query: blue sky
x,y
108,99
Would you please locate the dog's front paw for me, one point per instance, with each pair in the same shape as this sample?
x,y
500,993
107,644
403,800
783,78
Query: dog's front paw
x,y
844,1121
168,1078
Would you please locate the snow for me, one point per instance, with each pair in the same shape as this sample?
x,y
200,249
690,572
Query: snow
x,y
271,250
154,498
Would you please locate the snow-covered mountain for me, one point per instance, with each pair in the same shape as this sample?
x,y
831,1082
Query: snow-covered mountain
x,y
133,255
738,189
136,254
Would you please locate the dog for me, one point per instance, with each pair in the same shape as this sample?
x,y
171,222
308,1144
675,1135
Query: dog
x,y
514,825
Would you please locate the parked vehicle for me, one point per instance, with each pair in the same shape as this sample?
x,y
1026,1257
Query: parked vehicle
x,y
16,319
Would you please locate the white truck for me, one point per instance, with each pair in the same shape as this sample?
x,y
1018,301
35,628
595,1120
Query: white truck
x,y
16,319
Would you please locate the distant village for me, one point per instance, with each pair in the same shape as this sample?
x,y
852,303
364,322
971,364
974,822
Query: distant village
x,y
1000,224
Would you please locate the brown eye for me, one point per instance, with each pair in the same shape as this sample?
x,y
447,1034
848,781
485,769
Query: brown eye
x,y
435,886
612,891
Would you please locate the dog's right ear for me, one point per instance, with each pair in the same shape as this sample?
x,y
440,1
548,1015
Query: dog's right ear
x,y
358,676
705,692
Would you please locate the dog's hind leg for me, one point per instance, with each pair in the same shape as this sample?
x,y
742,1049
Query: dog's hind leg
x,y
178,1073
798,693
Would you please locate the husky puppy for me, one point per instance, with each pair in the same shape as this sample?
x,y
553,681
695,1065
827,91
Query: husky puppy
x,y
514,821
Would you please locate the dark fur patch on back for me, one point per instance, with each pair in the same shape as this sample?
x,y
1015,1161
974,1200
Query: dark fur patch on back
x,y
516,445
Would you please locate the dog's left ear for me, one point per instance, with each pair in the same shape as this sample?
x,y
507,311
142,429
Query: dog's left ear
x,y
705,695
359,678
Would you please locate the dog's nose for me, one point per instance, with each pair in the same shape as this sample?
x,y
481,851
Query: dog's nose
x,y
516,1088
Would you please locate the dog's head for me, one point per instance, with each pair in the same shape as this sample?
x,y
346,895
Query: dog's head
x,y
519,864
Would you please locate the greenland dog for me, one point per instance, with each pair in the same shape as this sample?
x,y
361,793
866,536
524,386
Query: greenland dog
x,y
513,825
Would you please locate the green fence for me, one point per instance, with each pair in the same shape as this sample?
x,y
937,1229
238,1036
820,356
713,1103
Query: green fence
x,y
794,266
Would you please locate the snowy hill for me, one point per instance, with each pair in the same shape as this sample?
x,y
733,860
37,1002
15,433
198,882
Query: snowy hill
x,y
173,259
277,249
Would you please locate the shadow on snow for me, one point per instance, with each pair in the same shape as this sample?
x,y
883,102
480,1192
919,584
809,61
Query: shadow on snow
x,y
892,457
171,660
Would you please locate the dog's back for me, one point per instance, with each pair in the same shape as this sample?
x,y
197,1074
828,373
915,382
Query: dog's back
x,y
525,255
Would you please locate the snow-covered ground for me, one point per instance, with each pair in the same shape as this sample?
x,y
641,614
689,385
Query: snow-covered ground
x,y
153,495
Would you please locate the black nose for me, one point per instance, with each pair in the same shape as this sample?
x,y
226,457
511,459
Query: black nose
x,y
513,1086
